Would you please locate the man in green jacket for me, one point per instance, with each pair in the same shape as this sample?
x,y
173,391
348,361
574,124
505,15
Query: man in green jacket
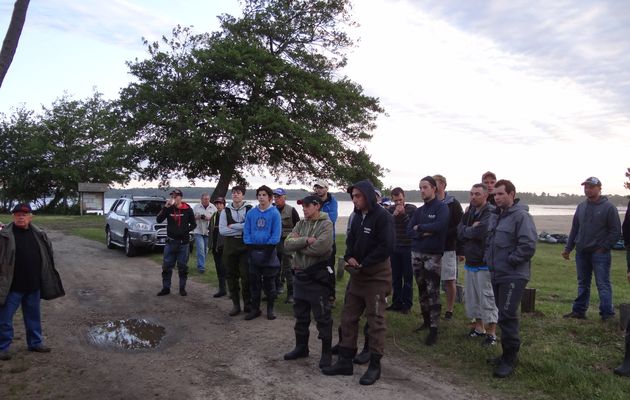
x,y
312,240
27,274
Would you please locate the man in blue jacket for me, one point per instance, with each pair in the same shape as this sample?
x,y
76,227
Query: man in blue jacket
x,y
261,234
427,229
595,229
510,246
369,245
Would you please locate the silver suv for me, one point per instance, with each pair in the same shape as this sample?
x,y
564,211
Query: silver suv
x,y
130,224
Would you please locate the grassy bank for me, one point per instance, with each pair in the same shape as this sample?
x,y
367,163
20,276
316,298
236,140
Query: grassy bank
x,y
560,359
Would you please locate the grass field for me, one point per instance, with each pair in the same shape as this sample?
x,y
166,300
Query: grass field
x,y
560,359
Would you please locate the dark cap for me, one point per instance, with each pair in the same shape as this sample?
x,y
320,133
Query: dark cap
x,y
177,192
430,180
22,207
219,200
592,181
310,200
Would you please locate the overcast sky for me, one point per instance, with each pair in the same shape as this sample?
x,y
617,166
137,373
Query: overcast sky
x,y
536,91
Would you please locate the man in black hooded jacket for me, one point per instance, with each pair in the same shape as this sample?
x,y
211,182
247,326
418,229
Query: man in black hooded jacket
x,y
369,245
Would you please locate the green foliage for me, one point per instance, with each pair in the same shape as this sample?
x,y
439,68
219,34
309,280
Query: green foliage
x,y
262,95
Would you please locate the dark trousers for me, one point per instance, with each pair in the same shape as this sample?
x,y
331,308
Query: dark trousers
x,y
237,271
175,252
318,304
507,296
218,265
262,277
402,278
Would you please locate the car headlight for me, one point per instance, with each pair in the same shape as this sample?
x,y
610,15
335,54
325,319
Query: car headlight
x,y
139,226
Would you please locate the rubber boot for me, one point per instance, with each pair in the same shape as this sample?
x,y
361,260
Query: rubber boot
x,y
431,337
426,322
236,308
300,350
222,292
344,365
507,365
364,356
373,372
326,359
270,314
624,368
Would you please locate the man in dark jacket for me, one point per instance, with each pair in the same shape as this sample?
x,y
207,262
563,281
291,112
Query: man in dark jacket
x,y
27,274
595,229
402,271
427,228
510,246
624,368
369,245
180,220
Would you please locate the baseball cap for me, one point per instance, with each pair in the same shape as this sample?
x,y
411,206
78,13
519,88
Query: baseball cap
x,y
22,207
592,181
279,192
177,192
219,200
321,183
310,200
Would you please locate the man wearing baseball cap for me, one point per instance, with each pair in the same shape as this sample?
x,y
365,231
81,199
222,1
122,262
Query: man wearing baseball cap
x,y
27,274
330,207
596,228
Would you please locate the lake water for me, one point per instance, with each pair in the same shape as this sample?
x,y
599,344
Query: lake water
x,y
346,207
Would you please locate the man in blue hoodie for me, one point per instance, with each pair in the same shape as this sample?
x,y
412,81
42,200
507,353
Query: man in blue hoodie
x,y
369,245
261,234
595,229
510,246
427,229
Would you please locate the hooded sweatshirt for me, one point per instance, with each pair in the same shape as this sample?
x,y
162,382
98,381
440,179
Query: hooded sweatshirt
x,y
179,221
595,226
511,243
262,227
237,215
431,218
305,255
371,237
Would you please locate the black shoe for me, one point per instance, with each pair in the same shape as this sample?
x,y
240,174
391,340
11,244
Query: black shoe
x,y
270,315
373,372
236,310
182,292
247,308
431,337
219,294
40,349
623,369
164,292
253,314
504,369
343,366
300,351
363,357
448,315
575,315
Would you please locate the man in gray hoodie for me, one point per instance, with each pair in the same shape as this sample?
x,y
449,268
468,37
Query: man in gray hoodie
x,y
595,229
510,246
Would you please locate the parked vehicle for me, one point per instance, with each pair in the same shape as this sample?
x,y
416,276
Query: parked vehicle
x,y
131,224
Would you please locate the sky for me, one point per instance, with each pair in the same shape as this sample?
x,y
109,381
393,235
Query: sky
x,y
536,91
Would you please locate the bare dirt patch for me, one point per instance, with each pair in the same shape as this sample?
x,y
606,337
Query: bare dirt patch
x,y
204,352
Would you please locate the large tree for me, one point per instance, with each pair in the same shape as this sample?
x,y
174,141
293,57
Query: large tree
x,y
264,94
12,37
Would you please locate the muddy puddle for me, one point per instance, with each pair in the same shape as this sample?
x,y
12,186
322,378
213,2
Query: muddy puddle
x,y
127,334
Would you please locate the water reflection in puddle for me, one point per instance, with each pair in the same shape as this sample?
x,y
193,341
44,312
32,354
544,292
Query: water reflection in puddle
x,y
127,334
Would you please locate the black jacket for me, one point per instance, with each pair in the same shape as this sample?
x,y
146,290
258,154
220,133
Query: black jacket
x,y
455,213
371,236
179,221
472,239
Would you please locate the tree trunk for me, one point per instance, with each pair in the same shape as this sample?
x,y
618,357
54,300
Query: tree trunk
x,y
12,37
227,172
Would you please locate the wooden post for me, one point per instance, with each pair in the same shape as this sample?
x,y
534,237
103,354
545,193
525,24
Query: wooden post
x,y
459,295
624,315
528,301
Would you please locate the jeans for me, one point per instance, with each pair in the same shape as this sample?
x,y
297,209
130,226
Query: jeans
x,y
201,243
402,278
589,263
175,251
32,319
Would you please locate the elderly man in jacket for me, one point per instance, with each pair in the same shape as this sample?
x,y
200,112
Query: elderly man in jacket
x,y
27,274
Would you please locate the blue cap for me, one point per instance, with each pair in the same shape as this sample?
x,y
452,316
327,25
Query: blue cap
x,y
279,192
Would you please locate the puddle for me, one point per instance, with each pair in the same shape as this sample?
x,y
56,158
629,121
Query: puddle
x,y
127,334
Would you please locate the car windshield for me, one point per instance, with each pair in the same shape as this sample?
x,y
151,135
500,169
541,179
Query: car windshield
x,y
145,208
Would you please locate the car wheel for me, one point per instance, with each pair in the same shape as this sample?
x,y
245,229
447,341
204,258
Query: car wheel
x,y
108,239
130,249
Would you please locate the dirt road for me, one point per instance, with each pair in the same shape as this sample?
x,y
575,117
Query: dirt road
x,y
205,354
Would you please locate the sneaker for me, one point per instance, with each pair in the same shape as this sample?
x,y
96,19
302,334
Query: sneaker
x,y
575,315
475,334
182,292
489,341
448,315
164,292
40,349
